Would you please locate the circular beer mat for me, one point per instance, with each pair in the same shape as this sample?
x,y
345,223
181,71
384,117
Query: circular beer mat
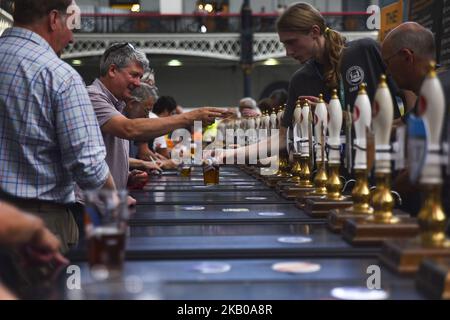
x,y
294,239
194,208
212,267
271,214
235,210
169,173
296,267
255,198
358,293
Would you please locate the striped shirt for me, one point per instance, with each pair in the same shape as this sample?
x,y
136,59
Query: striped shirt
x,y
106,107
49,135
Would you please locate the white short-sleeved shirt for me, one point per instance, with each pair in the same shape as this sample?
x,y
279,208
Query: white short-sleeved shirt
x,y
159,142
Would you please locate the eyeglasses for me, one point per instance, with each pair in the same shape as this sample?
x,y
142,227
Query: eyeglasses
x,y
116,47
386,61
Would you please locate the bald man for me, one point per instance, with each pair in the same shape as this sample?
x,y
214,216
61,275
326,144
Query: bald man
x,y
407,51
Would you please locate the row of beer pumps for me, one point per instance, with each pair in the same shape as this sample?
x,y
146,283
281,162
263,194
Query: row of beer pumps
x,y
366,216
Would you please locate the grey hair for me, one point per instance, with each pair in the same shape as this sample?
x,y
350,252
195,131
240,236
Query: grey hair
x,y
144,92
148,74
417,38
248,102
122,58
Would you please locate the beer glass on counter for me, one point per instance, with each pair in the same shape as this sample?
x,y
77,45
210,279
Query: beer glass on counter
x,y
106,222
185,170
184,154
210,172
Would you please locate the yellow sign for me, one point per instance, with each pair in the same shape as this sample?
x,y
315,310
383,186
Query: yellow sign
x,y
391,16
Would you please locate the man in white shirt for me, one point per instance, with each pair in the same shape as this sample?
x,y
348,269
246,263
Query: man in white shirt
x,y
159,143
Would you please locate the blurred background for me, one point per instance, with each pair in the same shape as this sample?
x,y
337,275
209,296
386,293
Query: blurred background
x,y
215,52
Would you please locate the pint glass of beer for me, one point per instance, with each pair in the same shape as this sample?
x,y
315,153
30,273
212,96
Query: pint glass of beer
x,y
210,172
106,215
185,170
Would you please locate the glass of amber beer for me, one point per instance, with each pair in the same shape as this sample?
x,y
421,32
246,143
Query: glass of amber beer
x,y
210,172
185,170
106,222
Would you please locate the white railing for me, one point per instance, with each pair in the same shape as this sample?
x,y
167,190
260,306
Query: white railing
x,y
225,46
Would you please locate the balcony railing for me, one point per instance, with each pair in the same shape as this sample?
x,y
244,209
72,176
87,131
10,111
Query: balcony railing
x,y
197,23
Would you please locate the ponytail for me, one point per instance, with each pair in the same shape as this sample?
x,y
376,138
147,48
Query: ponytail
x,y
301,17
334,44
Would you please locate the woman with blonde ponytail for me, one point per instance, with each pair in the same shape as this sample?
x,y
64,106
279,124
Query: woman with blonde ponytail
x,y
327,60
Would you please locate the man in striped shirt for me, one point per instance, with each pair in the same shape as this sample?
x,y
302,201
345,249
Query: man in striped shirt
x,y
49,136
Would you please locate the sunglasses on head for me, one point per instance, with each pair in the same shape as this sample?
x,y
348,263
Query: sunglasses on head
x,y
116,47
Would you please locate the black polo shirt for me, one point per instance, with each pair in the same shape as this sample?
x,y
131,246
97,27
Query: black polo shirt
x,y
361,62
